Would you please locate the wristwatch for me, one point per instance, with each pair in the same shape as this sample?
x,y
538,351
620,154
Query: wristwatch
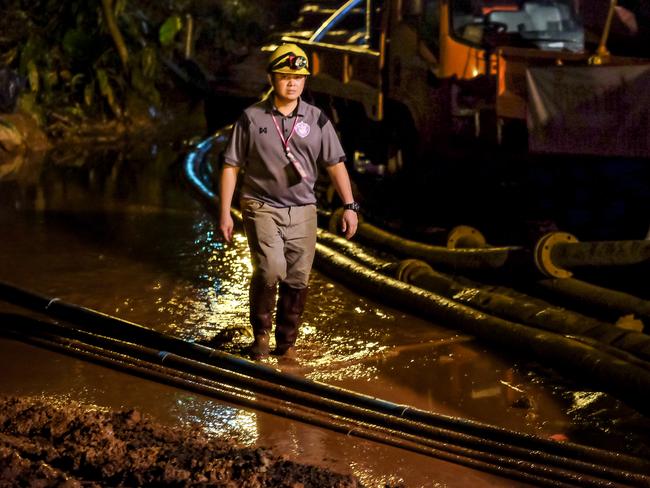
x,y
352,206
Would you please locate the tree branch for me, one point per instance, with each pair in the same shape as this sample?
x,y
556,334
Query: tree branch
x,y
111,23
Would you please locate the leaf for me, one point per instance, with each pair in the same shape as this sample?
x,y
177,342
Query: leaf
x,y
77,45
145,87
50,79
89,93
32,75
76,110
76,80
7,58
169,29
32,51
120,5
149,62
102,79
106,90
27,103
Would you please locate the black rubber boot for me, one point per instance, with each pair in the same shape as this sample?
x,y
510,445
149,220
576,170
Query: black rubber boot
x,y
260,347
291,304
262,302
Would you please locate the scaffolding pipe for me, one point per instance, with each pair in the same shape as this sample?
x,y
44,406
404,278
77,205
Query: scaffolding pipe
x,y
434,440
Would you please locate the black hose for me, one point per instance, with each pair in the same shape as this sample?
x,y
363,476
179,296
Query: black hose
x,y
634,347
605,253
106,325
453,259
627,381
605,299
403,431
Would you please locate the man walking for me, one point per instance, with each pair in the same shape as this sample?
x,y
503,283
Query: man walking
x,y
281,141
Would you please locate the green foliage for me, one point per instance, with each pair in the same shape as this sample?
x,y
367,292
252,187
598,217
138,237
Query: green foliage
x,y
89,93
169,29
234,26
69,58
144,73
32,76
78,45
120,7
71,62
28,104
105,82
8,57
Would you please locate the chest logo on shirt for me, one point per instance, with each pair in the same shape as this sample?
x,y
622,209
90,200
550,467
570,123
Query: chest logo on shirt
x,y
302,129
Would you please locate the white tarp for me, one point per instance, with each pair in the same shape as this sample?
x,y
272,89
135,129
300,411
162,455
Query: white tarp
x,y
601,110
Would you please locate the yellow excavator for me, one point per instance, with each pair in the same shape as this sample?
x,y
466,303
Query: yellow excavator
x,y
406,79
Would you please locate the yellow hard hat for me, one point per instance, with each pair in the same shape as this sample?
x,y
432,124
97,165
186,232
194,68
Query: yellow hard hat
x,y
288,59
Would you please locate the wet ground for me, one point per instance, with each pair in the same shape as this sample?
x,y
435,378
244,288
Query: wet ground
x,y
123,236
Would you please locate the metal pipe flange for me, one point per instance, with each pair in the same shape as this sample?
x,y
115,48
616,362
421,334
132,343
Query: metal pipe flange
x,y
464,237
544,249
408,267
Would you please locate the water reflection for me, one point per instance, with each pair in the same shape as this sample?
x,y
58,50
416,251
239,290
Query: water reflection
x,y
123,236
218,419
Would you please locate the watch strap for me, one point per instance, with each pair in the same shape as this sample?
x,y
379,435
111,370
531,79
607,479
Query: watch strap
x,y
352,206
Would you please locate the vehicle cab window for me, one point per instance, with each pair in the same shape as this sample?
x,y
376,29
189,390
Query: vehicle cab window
x,y
542,24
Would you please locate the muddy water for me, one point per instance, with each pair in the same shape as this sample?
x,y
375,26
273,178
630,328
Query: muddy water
x,y
122,236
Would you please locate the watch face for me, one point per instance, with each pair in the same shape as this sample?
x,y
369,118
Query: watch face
x,y
352,206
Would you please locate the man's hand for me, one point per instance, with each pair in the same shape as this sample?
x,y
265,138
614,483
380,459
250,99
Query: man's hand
x,y
341,182
226,225
226,191
349,223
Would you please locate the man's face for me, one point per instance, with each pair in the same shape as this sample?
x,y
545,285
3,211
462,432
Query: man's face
x,y
288,87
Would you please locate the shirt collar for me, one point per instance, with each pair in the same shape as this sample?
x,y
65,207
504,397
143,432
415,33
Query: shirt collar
x,y
299,110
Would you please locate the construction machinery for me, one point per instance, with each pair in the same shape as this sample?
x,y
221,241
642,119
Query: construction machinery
x,y
514,109
408,78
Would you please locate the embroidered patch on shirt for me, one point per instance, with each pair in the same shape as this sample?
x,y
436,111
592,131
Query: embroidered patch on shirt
x,y
302,129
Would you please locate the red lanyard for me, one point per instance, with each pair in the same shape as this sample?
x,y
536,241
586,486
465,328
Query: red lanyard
x,y
285,143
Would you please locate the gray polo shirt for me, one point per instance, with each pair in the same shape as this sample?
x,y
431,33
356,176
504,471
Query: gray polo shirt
x,y
256,146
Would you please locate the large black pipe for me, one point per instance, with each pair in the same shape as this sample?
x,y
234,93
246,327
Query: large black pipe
x,y
606,253
516,259
603,299
491,258
103,324
626,381
490,456
634,345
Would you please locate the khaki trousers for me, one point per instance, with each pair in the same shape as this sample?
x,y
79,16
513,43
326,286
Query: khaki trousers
x,y
282,242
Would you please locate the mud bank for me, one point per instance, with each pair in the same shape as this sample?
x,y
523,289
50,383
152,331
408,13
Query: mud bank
x,y
44,444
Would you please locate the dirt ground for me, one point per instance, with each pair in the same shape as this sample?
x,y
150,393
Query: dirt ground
x,y
75,445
